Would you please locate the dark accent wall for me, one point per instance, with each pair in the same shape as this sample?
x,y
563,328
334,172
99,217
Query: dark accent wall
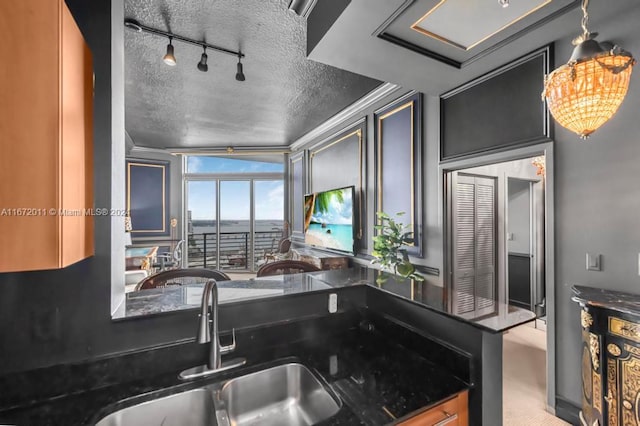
x,y
344,152
496,111
148,197
399,142
174,193
297,186
597,201
51,317
520,280
337,162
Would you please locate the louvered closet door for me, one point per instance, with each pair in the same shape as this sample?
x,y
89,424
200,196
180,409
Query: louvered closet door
x,y
474,245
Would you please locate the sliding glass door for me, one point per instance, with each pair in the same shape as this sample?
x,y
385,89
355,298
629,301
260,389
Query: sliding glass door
x,y
250,225
235,225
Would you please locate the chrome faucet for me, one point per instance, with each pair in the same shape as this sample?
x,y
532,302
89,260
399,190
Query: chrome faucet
x,y
208,333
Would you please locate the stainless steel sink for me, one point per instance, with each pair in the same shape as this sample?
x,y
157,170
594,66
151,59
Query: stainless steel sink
x,y
284,395
194,407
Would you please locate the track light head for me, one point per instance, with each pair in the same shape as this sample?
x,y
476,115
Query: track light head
x,y
134,25
169,57
504,3
240,73
202,65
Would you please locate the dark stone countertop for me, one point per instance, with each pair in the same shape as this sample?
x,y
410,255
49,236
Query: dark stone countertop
x,y
619,301
360,357
424,294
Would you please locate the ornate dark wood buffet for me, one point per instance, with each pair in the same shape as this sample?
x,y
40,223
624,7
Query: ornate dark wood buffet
x,y
610,323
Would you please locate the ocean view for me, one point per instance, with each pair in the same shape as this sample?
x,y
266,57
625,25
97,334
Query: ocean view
x,y
339,237
209,226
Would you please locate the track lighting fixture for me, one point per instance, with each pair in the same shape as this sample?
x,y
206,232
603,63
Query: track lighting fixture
x,y
170,59
202,65
240,72
504,3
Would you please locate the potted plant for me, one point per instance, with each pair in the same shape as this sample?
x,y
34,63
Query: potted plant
x,y
389,247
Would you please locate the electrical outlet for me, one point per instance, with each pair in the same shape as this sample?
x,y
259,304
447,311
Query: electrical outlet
x,y
333,303
333,365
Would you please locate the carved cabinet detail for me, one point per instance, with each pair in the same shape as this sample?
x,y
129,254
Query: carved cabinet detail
x,y
610,364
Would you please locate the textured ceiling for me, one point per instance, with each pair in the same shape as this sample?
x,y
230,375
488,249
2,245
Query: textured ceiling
x,y
285,94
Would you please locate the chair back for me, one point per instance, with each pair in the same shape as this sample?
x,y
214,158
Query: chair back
x,y
285,267
179,277
284,246
177,254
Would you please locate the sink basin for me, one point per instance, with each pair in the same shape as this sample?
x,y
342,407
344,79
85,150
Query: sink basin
x,y
194,407
284,395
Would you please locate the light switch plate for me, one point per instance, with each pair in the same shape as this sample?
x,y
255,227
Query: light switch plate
x,y
594,262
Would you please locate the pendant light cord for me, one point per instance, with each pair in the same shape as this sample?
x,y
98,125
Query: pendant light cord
x,y
585,19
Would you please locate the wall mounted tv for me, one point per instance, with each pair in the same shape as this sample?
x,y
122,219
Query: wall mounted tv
x,y
328,219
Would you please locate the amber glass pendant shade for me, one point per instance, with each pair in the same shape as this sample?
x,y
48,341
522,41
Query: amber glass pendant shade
x,y
585,94
587,91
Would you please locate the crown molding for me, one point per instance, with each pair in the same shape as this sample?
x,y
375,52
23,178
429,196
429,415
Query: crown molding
x,y
348,113
245,150
143,149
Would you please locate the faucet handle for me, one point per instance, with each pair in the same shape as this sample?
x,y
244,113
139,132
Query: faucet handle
x,y
232,347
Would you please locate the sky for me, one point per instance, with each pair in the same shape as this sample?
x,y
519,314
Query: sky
x,y
197,164
234,195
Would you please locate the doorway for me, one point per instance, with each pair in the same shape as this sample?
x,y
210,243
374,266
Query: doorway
x,y
527,230
496,238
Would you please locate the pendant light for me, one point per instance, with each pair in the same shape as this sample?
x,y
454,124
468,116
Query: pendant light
x,y
169,58
240,73
587,91
202,65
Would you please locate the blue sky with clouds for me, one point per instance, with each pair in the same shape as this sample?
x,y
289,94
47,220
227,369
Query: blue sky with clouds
x,y
234,195
202,164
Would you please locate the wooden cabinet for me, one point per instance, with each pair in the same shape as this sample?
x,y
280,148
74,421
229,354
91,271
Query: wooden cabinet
x,y
322,260
610,361
46,138
452,412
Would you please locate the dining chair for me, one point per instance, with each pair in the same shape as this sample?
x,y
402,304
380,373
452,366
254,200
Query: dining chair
x,y
285,267
169,260
179,277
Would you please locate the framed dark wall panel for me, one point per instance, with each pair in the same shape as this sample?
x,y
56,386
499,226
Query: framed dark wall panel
x,y
496,111
298,188
340,161
148,197
399,163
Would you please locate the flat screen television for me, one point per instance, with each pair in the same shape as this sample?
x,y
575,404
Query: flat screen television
x,y
328,219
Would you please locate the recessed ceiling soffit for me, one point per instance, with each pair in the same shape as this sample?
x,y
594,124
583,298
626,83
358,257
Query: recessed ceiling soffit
x,y
458,32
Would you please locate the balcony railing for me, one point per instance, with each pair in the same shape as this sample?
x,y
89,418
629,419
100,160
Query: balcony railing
x,y
234,251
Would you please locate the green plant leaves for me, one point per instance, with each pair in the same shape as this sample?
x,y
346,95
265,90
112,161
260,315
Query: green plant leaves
x,y
388,245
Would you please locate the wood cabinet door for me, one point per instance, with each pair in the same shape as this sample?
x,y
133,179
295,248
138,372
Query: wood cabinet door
x,y
46,180
453,412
